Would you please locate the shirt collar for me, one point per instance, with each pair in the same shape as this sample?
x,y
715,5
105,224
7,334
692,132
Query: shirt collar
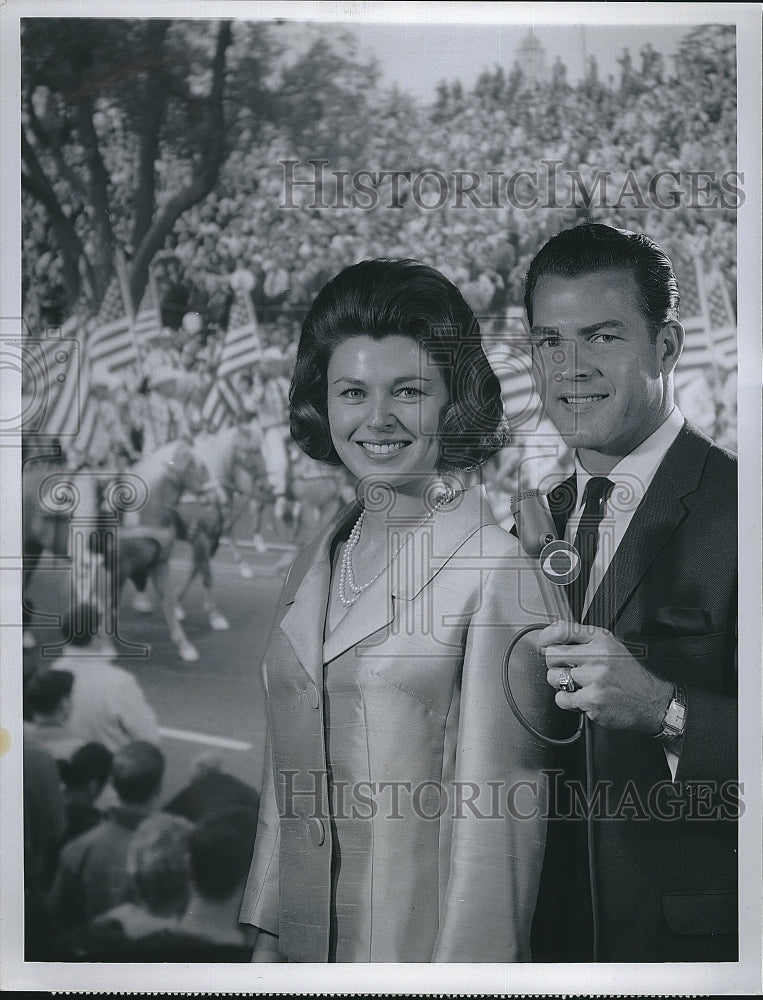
x,y
636,470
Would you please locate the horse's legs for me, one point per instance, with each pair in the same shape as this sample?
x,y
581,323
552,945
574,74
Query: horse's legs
x,y
203,548
217,620
161,581
202,567
179,610
258,509
243,566
141,601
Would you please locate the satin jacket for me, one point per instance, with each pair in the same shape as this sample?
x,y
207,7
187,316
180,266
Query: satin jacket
x,y
433,849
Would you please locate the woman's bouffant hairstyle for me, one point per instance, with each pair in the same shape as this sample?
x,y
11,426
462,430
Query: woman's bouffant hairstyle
x,y
381,298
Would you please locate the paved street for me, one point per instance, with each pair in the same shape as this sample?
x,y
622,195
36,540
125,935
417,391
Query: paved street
x,y
216,704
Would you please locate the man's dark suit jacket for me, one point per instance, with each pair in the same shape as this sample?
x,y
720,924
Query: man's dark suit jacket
x,y
667,887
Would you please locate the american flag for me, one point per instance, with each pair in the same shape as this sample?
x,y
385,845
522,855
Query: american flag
x,y
148,320
708,317
105,343
241,348
110,343
110,347
70,353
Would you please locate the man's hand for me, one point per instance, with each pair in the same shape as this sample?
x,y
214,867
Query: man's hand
x,y
612,688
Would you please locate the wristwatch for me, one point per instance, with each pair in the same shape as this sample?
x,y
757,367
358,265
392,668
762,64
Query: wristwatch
x,y
674,723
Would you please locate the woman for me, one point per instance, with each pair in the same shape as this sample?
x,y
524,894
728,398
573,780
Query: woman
x,y
401,812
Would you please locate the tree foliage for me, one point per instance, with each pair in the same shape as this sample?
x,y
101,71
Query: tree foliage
x,y
126,125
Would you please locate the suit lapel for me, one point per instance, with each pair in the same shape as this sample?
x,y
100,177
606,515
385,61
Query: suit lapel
x,y
657,517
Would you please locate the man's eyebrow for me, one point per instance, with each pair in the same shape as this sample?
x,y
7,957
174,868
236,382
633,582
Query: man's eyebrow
x,y
595,327
584,331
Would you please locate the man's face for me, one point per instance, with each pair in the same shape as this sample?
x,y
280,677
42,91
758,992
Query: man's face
x,y
603,381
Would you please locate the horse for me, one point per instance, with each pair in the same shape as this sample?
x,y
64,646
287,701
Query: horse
x,y
146,539
232,457
57,496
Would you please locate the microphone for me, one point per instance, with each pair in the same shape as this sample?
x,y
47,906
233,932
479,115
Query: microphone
x,y
558,561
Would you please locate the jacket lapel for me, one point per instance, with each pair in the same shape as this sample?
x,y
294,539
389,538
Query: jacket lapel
x,y
419,562
372,611
657,517
306,597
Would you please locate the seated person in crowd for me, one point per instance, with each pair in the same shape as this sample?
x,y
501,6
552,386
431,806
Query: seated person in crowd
x,y
107,704
211,789
83,778
220,848
157,864
43,826
92,874
48,699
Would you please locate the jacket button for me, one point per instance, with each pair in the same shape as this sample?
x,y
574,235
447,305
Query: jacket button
x,y
316,830
312,695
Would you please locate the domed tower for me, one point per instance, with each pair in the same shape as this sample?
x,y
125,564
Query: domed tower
x,y
531,57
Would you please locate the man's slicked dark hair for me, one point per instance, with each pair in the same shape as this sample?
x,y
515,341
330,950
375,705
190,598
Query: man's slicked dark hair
x,y
381,298
592,247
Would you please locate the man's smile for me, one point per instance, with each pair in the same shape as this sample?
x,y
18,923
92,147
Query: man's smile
x,y
581,400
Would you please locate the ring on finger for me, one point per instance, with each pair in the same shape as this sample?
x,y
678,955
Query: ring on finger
x,y
566,683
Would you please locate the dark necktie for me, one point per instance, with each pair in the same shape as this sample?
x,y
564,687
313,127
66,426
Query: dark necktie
x,y
586,541
561,503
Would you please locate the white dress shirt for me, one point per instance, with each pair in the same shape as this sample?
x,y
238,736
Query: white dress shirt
x,y
632,477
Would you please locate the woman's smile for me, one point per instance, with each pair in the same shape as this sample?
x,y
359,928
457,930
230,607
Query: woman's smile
x,y
383,449
385,399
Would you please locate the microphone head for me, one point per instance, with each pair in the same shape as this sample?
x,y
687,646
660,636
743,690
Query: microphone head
x,y
517,498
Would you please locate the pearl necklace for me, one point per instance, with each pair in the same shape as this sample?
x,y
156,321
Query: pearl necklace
x,y
346,575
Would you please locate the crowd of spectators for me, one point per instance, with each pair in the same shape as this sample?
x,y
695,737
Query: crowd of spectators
x,y
115,869
112,870
588,148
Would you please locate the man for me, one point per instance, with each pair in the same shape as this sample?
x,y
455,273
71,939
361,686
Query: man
x,y
48,697
651,509
210,790
43,828
92,874
107,704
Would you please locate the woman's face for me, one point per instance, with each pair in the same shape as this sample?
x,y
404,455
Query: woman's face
x,y
385,398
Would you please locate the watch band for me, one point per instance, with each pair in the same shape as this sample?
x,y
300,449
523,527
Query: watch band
x,y
674,722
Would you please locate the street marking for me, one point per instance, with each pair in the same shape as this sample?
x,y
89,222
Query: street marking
x,y
210,741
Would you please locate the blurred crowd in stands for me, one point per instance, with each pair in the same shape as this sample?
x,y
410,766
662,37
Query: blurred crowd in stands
x,y
265,216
